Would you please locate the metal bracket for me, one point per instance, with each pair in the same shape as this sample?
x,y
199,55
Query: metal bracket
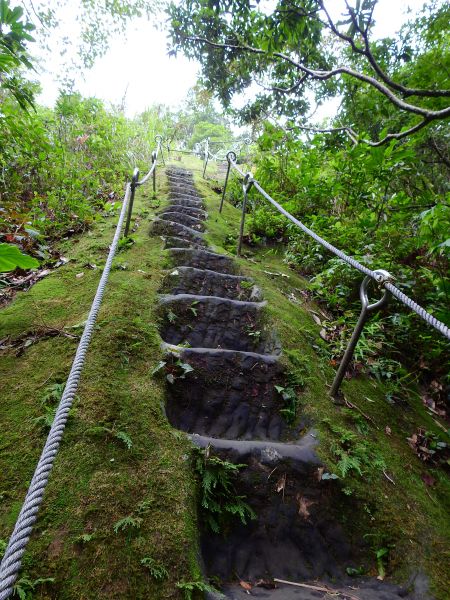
x,y
381,277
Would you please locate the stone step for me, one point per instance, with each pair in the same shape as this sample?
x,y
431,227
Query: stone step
x,y
171,228
188,210
183,218
190,280
202,259
214,322
229,394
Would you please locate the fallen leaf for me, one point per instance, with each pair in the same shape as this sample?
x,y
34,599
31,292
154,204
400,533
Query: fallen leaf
x,y
428,479
246,585
281,483
316,319
303,506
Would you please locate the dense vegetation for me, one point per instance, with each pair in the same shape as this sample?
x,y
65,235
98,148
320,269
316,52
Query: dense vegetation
x,y
373,181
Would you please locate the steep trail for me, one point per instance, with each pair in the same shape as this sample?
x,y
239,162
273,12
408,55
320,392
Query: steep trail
x,y
214,321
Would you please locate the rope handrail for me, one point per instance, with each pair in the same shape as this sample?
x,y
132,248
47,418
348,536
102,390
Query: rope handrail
x,y
12,559
375,275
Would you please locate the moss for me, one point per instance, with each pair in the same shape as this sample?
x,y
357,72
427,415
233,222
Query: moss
x,y
409,516
96,479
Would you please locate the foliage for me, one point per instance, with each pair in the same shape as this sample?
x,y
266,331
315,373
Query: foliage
x,y
155,568
354,456
218,499
190,587
11,257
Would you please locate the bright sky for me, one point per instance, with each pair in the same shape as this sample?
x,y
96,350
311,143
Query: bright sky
x,y
137,62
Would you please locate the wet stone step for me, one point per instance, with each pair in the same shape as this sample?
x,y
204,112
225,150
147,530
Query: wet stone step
x,y
171,228
296,534
183,218
347,590
182,188
213,322
202,259
188,210
186,200
190,280
177,242
230,395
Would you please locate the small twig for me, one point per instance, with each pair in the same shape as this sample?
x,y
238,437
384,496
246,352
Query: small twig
x,y
430,496
388,478
318,588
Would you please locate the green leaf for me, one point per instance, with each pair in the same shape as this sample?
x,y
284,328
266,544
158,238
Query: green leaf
x,y
11,258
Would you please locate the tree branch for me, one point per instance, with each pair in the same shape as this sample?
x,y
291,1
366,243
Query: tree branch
x,y
427,114
366,51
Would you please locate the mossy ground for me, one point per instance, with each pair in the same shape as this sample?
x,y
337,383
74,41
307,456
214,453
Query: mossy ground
x,y
97,480
408,517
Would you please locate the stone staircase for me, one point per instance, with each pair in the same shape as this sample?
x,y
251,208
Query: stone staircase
x,y
213,320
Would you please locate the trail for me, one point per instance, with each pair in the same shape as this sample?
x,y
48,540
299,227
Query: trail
x,y
215,322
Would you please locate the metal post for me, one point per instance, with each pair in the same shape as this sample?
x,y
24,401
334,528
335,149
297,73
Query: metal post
x,y
366,308
134,184
247,184
231,156
154,172
206,156
158,140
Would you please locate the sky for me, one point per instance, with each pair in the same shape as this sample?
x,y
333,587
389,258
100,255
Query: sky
x,y
137,63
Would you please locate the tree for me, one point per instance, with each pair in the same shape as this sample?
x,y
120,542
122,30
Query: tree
x,y
299,46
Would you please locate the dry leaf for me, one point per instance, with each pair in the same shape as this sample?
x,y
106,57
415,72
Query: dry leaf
x,y
281,483
246,585
303,506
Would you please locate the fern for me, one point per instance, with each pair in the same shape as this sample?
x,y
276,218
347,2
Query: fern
x,y
349,463
189,587
126,523
219,501
157,570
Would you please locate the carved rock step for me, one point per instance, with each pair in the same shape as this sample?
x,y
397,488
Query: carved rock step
x,y
186,200
213,322
183,188
228,394
188,210
202,259
172,241
171,228
183,218
190,280
296,535
348,588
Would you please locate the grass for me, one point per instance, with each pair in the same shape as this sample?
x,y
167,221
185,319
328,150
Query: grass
x,y
408,518
119,458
